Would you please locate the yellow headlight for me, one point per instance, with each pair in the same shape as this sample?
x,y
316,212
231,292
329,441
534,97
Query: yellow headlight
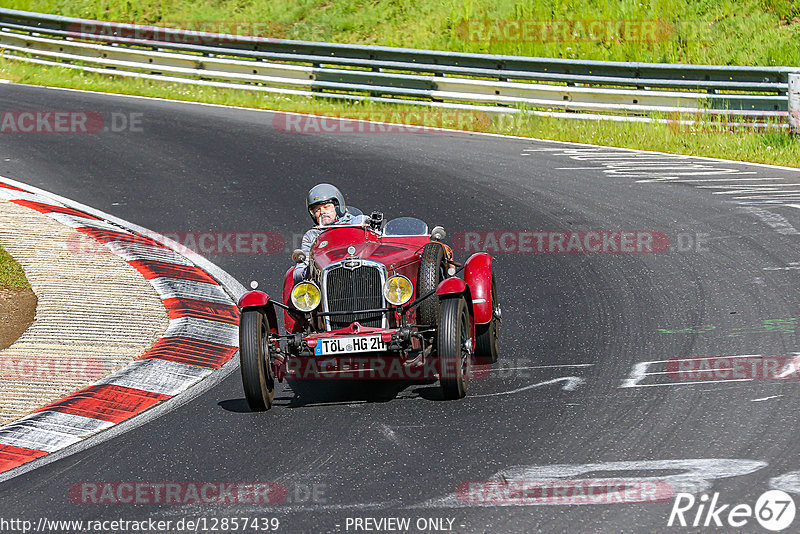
x,y
398,290
305,296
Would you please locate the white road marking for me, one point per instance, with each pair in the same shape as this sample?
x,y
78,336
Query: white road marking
x,y
698,173
572,382
654,167
693,476
662,166
738,189
791,366
788,482
766,398
778,195
388,433
754,179
690,383
639,373
544,367
793,266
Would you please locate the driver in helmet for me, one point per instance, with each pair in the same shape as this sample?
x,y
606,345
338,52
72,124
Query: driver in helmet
x,y
326,206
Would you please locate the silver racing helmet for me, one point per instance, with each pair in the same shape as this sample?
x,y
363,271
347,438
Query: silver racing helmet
x,y
323,193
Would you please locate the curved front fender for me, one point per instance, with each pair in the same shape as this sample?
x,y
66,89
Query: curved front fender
x,y
478,276
451,286
253,298
259,299
456,287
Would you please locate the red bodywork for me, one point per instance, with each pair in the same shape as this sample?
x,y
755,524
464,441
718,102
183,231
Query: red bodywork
x,y
478,276
259,299
401,255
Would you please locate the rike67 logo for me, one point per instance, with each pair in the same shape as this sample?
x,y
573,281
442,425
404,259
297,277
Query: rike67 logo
x,y
774,510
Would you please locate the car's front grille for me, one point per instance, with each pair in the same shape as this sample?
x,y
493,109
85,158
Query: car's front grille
x,y
356,289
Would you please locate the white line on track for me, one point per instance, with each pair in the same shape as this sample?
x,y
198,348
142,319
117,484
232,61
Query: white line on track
x,y
545,366
572,383
729,180
766,398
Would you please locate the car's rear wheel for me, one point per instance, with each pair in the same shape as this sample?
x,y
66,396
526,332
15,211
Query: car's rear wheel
x,y
432,270
488,335
453,349
257,379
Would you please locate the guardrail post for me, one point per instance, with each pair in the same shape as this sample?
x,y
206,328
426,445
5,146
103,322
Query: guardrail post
x,y
794,102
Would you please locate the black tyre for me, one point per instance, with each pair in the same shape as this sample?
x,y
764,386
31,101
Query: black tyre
x,y
432,270
259,384
488,335
452,349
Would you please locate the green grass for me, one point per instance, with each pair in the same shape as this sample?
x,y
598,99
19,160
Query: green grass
x,y
11,274
724,32
775,148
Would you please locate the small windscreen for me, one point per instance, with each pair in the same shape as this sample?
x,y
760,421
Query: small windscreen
x,y
405,226
355,212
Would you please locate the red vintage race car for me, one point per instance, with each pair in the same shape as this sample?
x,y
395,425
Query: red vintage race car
x,y
382,301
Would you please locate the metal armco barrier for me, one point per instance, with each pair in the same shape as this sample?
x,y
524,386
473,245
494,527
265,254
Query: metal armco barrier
x,y
794,102
622,91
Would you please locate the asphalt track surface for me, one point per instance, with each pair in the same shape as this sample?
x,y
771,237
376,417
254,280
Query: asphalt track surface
x,y
393,450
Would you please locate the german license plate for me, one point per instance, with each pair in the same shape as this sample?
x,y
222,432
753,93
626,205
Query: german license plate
x,y
348,345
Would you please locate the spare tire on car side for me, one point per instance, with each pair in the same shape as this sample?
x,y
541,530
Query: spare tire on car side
x,y
432,270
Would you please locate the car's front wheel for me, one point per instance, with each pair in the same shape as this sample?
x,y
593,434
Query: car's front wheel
x,y
488,335
257,379
453,348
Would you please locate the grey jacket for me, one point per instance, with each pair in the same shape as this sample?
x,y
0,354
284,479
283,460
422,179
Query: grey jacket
x,y
301,271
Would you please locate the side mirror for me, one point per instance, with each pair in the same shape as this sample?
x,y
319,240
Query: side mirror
x,y
298,256
438,234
